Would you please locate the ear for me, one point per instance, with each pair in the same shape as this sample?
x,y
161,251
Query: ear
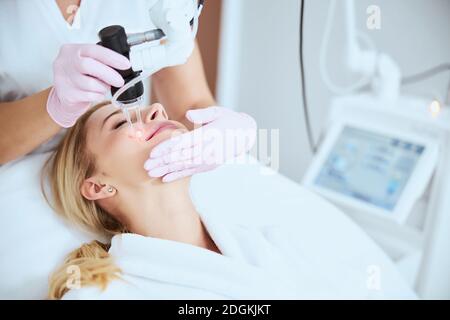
x,y
93,190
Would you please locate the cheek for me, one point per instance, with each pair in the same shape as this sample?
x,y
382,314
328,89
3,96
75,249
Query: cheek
x,y
124,157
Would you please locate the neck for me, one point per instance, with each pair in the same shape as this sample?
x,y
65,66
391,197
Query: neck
x,y
163,210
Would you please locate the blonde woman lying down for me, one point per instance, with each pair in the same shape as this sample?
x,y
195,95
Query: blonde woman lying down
x,y
159,246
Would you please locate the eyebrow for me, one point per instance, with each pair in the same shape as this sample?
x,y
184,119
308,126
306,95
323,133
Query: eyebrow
x,y
112,114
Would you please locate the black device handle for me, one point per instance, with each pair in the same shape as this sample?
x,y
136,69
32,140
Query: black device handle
x,y
114,38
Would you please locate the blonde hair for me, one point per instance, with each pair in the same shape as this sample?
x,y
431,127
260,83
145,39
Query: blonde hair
x,y
66,170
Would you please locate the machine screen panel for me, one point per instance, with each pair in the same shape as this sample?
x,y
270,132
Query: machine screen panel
x,y
369,167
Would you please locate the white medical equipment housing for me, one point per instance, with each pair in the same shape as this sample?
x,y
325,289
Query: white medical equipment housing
x,y
383,162
367,164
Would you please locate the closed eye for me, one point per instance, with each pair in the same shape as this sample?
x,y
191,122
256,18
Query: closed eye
x,y
119,124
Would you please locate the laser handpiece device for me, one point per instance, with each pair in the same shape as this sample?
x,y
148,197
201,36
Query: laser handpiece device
x,y
172,16
115,38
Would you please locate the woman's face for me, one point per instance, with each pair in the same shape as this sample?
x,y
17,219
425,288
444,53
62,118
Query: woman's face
x,y
119,154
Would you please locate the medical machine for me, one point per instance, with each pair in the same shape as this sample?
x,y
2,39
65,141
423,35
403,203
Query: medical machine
x,y
385,164
175,19
369,165
384,159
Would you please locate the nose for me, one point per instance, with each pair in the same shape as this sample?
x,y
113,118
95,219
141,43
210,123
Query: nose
x,y
156,113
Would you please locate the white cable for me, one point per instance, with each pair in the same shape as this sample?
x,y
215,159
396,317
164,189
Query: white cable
x,y
337,89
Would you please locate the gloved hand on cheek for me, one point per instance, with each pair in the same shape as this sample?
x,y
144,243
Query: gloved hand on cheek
x,y
223,134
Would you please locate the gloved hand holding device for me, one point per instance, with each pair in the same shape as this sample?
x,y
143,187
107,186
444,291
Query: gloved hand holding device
x,y
82,74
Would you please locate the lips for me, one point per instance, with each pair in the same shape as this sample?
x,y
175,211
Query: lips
x,y
157,128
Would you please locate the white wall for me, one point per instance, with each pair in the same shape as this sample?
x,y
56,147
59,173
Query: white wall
x,y
414,32
261,73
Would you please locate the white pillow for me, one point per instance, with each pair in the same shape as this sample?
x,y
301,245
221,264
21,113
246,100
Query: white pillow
x,y
34,240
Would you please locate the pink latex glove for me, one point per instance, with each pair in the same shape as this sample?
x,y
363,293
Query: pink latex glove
x,y
82,74
224,134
